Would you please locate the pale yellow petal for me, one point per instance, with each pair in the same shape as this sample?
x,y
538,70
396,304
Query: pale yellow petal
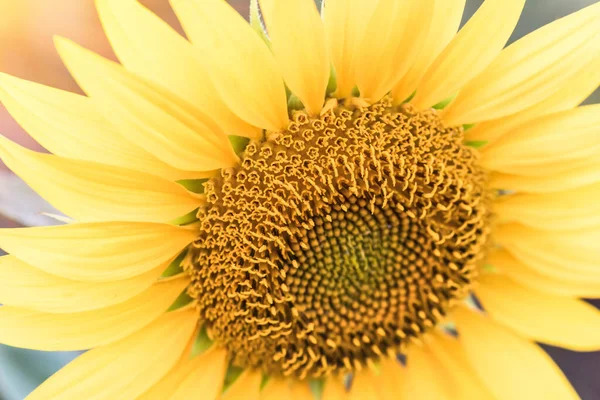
x,y
510,366
425,378
171,61
97,252
529,70
559,176
300,50
239,63
556,138
124,369
345,24
567,210
22,285
276,389
577,250
56,118
452,360
204,380
572,93
364,386
163,124
558,321
20,327
90,192
391,42
245,387
445,20
542,278
470,52
334,389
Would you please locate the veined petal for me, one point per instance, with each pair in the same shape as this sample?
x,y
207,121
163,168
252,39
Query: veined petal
x,y
565,136
363,386
422,367
470,52
445,20
486,344
300,50
124,369
171,61
97,252
88,191
24,286
162,123
200,377
56,118
529,70
20,327
245,387
576,249
391,42
559,321
573,92
345,24
276,389
334,389
451,358
567,210
239,63
543,279
559,176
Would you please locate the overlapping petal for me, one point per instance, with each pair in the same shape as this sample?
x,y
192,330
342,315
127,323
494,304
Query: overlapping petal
x,y
245,387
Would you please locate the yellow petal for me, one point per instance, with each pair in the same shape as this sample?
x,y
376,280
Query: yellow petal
x,y
345,24
363,386
56,118
22,285
171,61
510,366
300,391
276,389
239,63
97,252
560,137
421,367
20,327
543,279
390,379
391,42
204,380
89,192
573,92
567,210
529,70
470,52
559,321
559,176
245,387
576,250
162,123
445,20
300,50
124,369
451,358
334,389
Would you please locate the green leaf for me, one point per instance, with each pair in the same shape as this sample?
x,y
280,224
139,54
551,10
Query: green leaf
x,y
193,185
183,300
466,127
444,103
316,387
202,343
186,219
231,376
476,144
175,267
332,83
409,98
294,103
238,143
265,379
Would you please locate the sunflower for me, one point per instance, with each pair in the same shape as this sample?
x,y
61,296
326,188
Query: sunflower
x,y
353,203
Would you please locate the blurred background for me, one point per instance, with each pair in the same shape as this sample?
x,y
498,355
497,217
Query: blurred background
x,y
27,51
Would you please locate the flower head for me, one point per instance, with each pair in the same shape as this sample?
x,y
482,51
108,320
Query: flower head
x,y
353,202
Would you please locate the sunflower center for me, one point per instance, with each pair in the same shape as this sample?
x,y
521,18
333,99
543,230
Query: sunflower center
x,y
337,241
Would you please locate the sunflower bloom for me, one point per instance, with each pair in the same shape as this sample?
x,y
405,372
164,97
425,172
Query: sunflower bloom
x,y
356,203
